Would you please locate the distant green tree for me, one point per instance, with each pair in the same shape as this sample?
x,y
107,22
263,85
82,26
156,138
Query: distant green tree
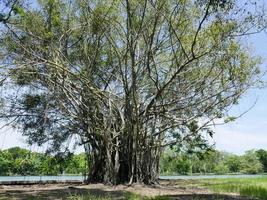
x,y
166,162
221,169
49,166
5,164
17,161
77,165
186,163
196,166
181,165
233,162
262,155
211,161
206,162
250,163
17,152
24,166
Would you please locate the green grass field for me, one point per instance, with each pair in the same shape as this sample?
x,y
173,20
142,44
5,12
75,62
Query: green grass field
x,y
251,187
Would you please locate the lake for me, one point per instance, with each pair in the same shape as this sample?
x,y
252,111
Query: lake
x,y
65,178
41,178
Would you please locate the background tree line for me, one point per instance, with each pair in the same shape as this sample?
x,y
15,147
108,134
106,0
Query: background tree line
x,y
17,161
213,161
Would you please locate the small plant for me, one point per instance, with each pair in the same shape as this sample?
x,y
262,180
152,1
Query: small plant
x,y
132,196
88,197
254,191
127,196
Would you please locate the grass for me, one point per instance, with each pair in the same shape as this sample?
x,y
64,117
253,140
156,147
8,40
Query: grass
x,y
127,196
132,196
251,187
88,197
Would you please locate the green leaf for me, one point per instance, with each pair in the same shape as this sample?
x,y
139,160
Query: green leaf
x,y
230,119
18,10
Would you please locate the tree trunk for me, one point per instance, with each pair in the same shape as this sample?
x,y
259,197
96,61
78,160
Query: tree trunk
x,y
117,165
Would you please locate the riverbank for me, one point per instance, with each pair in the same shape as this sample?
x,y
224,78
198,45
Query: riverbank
x,y
170,189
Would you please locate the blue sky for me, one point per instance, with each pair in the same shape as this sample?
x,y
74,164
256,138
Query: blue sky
x,y
250,130
247,132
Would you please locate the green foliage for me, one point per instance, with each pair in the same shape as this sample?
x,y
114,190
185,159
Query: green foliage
x,y
262,155
24,75
213,161
18,10
234,163
17,161
221,169
251,163
229,119
32,101
5,163
171,163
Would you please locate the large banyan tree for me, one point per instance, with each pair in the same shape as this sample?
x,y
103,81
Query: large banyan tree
x,y
126,78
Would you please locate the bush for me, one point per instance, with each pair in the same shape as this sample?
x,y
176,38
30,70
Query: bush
x,y
250,163
221,169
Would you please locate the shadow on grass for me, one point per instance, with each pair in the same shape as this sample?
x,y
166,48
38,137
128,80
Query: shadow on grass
x,y
81,194
57,194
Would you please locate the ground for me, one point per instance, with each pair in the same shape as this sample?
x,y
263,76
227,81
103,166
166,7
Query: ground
x,y
172,189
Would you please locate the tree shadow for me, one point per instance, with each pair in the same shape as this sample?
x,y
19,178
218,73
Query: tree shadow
x,y
57,194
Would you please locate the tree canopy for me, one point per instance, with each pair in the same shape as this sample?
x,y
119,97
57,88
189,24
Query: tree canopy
x,y
125,77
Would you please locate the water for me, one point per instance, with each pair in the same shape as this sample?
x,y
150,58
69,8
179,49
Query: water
x,y
42,178
64,178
